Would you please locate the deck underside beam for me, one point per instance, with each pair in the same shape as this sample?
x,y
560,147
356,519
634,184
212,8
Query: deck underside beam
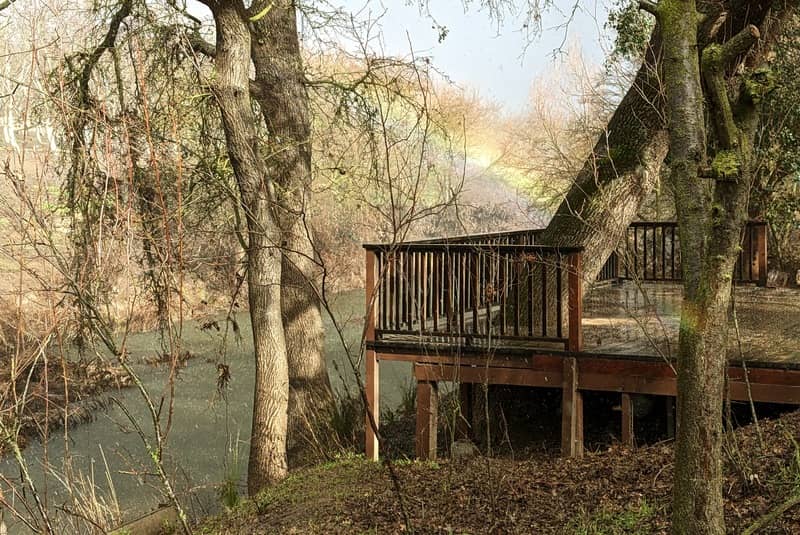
x,y
574,375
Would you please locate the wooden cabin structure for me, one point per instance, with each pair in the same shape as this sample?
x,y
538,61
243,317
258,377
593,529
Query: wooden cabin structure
x,y
502,309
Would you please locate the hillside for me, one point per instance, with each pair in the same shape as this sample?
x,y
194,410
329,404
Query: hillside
x,y
608,492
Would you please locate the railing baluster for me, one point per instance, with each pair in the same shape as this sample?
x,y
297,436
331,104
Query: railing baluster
x,y
515,281
410,288
644,253
672,254
544,298
475,279
559,300
531,296
437,283
655,257
502,288
462,291
489,290
663,253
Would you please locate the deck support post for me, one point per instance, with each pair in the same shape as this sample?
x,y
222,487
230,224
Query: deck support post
x,y
572,400
371,448
465,417
628,436
761,254
427,419
571,411
372,376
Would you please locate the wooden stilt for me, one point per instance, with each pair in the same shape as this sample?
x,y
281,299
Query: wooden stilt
x,y
373,407
372,379
628,437
571,412
427,418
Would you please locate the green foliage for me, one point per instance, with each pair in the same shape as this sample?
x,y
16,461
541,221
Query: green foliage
x,y
790,472
633,520
633,28
726,164
168,528
229,490
407,406
759,84
346,420
778,148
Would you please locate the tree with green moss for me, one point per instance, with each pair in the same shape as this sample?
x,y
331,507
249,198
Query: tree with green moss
x,y
694,107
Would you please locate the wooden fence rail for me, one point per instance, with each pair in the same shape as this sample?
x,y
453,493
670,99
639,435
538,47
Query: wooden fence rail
x,y
651,252
481,294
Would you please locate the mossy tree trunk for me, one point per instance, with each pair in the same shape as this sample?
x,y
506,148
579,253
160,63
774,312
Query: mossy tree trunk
x,y
712,208
619,174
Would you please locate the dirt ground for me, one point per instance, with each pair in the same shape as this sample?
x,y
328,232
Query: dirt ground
x,y
612,491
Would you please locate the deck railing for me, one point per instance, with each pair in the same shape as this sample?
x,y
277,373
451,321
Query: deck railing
x,y
502,288
487,292
512,237
651,252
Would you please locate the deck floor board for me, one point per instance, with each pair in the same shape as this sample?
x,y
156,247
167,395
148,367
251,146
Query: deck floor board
x,y
644,319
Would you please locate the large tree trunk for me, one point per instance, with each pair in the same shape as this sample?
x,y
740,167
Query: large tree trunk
x,y
267,462
712,208
618,175
282,97
702,344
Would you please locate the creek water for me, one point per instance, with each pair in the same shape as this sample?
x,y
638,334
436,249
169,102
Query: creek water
x,y
208,440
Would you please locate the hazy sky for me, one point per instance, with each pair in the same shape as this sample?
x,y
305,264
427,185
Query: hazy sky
x,y
477,53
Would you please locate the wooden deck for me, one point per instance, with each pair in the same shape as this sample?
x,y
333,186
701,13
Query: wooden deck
x,y
499,309
643,319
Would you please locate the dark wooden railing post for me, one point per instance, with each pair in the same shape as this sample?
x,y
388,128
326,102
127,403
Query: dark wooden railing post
x,y
372,410
761,253
572,400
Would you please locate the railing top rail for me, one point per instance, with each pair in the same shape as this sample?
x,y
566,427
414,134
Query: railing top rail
x,y
457,247
752,222
464,237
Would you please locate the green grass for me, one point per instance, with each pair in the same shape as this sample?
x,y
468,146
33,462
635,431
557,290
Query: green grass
x,y
633,520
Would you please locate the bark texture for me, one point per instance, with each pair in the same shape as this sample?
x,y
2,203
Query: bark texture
x,y
712,207
283,100
618,175
267,463
666,108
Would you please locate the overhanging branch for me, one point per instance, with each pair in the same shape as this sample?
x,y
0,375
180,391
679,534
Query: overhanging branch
x,y
650,7
738,45
6,3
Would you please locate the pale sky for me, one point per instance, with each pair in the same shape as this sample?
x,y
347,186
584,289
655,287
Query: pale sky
x,y
478,54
